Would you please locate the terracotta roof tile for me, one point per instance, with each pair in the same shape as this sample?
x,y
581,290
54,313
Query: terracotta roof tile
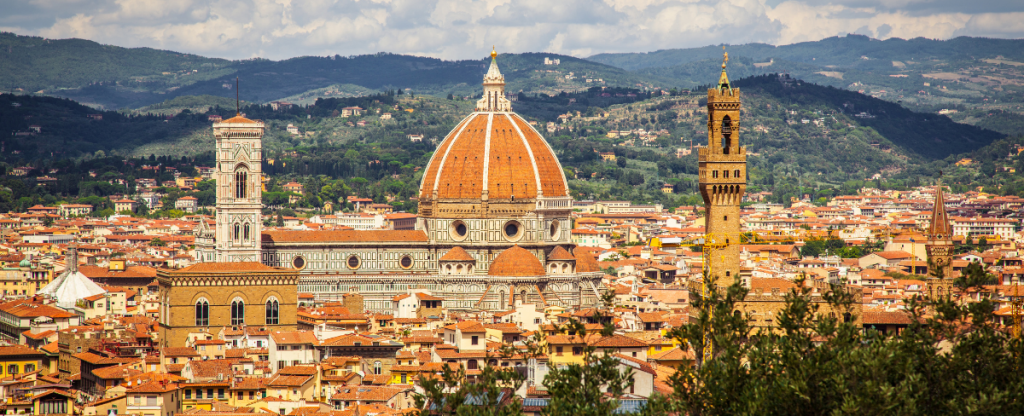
x,y
560,253
516,261
456,254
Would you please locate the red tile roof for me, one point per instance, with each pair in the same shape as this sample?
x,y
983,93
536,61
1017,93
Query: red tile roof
x,y
516,261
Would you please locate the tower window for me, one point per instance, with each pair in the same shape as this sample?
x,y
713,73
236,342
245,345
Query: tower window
x,y
237,232
725,174
725,218
736,173
241,179
726,134
714,174
245,232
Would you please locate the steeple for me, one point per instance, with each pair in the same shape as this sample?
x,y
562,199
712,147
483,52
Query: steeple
x,y
494,89
723,80
939,228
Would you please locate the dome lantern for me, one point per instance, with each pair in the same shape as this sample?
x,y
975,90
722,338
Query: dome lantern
x,y
494,99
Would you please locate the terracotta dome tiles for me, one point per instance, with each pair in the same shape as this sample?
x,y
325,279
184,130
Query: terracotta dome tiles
x,y
516,261
510,161
457,254
560,253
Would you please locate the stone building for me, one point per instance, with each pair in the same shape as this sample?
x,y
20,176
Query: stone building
x,y
217,295
493,188
239,147
940,249
723,179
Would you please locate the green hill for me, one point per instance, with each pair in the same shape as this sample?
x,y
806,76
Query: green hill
x,y
922,74
111,77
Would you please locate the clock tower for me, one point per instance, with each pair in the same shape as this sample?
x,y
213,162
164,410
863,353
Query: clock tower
x,y
723,179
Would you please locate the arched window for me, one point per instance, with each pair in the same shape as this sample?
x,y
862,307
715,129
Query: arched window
x,y
237,312
237,232
377,367
245,232
273,313
202,313
726,134
241,180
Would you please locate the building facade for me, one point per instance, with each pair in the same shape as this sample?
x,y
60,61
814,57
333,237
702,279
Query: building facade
x,y
206,297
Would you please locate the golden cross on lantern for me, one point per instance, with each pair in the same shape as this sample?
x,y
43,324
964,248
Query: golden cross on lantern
x,y
725,58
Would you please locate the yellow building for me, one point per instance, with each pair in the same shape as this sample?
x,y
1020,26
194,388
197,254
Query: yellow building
x,y
19,359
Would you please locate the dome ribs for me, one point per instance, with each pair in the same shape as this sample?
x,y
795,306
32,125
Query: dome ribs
x,y
499,152
512,161
460,176
552,178
430,176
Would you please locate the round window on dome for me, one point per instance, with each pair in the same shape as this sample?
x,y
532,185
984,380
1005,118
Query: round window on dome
x,y
406,262
513,230
459,230
299,262
353,262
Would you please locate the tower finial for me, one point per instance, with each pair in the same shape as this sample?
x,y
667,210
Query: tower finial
x,y
494,53
238,111
723,81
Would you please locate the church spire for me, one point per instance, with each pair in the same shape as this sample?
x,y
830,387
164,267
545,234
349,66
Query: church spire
x,y
494,89
939,228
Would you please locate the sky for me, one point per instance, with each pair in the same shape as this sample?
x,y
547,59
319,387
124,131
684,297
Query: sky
x,y
464,29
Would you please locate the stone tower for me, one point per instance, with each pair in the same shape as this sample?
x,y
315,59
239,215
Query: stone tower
x,y
723,178
940,248
239,190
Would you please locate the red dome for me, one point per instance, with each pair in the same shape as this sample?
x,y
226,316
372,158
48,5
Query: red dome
x,y
516,261
496,151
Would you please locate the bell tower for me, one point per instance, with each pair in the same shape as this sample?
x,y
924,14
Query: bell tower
x,y
939,248
723,178
239,147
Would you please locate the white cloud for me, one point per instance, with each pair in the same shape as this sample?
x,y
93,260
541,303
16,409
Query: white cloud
x,y
457,29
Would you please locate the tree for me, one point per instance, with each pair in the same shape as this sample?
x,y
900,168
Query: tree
x,y
620,162
819,360
280,220
157,242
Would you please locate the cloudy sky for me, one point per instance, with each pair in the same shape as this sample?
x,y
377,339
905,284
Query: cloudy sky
x,y
456,29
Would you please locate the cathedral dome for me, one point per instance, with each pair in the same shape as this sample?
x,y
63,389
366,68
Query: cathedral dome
x,y
516,261
493,154
499,153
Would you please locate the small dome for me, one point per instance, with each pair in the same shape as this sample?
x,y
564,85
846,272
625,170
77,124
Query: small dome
x,y
457,254
25,263
585,263
560,254
516,261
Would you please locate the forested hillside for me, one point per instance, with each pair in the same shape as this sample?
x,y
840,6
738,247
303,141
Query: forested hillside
x,y
116,78
963,74
802,139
